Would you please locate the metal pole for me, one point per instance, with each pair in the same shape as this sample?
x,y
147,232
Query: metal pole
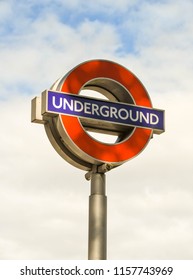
x,y
97,218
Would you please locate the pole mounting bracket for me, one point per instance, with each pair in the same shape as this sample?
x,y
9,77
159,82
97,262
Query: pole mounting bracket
x,y
103,168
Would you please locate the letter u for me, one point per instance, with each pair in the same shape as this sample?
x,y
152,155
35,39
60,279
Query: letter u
x,y
54,102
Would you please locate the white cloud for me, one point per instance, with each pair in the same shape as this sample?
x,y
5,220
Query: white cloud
x,y
40,55
4,10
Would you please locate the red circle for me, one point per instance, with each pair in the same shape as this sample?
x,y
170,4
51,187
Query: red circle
x,y
118,152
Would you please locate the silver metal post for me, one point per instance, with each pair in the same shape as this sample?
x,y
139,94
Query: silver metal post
x,y
97,218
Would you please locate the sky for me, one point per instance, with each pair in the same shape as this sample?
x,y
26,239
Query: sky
x,y
43,199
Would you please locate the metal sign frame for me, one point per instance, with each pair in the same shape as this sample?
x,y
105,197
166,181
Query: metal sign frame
x,y
68,133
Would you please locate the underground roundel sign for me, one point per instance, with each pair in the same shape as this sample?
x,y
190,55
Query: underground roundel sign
x,y
123,109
